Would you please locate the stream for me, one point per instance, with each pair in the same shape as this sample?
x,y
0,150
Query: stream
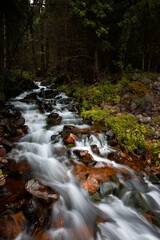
x,y
128,207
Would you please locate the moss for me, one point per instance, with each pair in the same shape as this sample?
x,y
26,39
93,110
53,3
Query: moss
x,y
138,87
153,150
129,132
96,114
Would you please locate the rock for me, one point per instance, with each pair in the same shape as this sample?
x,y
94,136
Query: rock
x,y
6,143
65,101
2,151
133,106
25,129
48,93
10,129
2,179
110,134
84,155
69,139
145,119
19,132
107,188
3,160
22,170
19,122
156,86
91,184
95,149
40,191
11,225
54,119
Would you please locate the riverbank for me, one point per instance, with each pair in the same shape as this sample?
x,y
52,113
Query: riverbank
x,y
127,107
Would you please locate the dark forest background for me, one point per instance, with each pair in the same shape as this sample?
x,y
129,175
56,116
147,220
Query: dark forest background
x,y
80,38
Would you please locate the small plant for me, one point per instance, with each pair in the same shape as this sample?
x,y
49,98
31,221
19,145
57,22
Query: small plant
x,y
153,148
95,114
129,132
138,87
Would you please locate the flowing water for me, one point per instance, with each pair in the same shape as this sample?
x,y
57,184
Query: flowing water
x,y
121,211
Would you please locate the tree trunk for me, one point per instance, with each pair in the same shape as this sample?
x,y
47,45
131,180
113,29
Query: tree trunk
x,y
96,64
143,61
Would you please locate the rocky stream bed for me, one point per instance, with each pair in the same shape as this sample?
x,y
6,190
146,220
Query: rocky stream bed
x,y
59,179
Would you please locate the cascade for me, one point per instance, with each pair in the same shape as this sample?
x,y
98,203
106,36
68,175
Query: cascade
x,y
119,214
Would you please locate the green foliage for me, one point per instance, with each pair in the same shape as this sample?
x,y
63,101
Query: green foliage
x,y
153,148
138,87
19,74
14,82
95,114
129,132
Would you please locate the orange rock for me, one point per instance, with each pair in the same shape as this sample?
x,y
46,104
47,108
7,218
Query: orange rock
x,y
12,225
90,177
84,155
70,139
91,184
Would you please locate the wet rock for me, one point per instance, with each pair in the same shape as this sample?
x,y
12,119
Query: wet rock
x,y
2,179
91,184
21,170
136,200
45,106
8,145
25,129
10,129
96,196
101,174
19,122
54,119
19,132
65,101
12,225
71,108
107,188
40,191
31,208
31,96
84,155
69,139
55,138
48,93
2,151
68,128
110,134
95,149
154,179
152,218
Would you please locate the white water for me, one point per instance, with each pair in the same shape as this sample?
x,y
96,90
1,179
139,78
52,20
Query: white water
x,y
120,221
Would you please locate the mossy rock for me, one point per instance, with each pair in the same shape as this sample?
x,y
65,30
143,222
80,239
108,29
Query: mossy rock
x,y
135,200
